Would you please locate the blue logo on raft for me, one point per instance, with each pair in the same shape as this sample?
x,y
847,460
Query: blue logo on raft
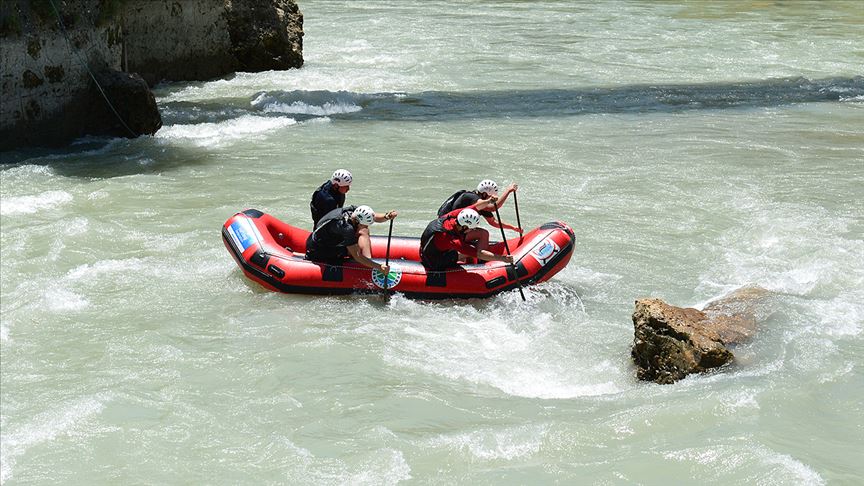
x,y
393,277
242,233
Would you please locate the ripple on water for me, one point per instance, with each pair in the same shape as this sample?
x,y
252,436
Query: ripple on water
x,y
493,444
46,427
383,466
64,300
503,343
765,465
33,204
225,132
312,103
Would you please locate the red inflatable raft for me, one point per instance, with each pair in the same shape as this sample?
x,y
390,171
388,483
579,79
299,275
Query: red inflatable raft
x,y
271,253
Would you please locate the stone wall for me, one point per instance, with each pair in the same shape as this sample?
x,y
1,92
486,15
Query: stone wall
x,y
177,40
42,81
48,96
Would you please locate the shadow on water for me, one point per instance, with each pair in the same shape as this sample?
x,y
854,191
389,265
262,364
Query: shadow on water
x,y
115,157
102,158
633,99
455,105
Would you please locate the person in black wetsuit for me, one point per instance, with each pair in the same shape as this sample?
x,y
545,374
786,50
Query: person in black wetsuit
x,y
485,190
343,233
330,195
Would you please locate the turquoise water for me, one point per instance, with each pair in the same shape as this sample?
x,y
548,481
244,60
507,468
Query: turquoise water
x,y
693,147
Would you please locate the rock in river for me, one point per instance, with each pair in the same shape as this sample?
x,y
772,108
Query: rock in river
x,y
671,342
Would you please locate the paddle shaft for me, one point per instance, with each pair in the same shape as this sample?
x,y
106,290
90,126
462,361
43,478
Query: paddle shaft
x,y
516,205
507,248
387,256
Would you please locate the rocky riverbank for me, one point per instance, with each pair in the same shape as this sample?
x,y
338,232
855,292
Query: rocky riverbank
x,y
51,57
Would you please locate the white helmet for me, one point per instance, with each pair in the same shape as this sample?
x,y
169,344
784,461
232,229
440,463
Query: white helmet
x,y
364,215
488,186
468,218
342,178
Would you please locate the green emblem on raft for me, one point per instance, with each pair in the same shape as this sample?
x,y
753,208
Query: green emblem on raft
x,y
393,277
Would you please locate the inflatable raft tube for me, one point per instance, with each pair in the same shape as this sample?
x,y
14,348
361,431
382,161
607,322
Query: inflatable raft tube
x,y
271,253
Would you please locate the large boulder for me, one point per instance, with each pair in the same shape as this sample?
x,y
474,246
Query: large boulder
x,y
265,35
48,96
132,110
671,342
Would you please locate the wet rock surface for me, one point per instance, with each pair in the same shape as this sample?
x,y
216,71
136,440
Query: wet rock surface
x,y
134,103
672,342
47,79
265,36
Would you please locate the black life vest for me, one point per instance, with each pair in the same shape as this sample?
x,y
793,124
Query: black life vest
x,y
324,200
328,219
447,206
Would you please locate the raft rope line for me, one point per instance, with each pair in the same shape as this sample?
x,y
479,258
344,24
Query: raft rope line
x,y
92,76
360,267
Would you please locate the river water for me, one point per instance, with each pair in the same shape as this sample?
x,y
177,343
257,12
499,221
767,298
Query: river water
x,y
694,147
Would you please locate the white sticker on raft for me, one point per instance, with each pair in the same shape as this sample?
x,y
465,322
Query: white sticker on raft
x,y
393,277
545,251
244,233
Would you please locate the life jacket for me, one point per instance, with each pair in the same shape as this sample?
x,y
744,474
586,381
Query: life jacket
x,y
428,251
319,212
447,206
329,219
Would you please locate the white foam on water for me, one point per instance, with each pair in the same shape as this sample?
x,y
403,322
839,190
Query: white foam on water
x,y
63,300
787,248
350,76
315,121
4,333
89,271
380,467
736,401
796,471
224,132
518,351
839,318
44,427
298,107
76,226
494,444
767,466
388,466
835,374
376,61
34,204
57,247
27,171
96,195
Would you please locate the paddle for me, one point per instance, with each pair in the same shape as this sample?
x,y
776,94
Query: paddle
x,y
387,257
518,221
507,247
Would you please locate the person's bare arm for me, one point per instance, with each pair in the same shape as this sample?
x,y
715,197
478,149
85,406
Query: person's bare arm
x,y
381,217
359,257
488,256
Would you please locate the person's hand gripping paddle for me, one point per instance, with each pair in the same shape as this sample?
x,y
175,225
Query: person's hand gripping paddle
x,y
507,248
